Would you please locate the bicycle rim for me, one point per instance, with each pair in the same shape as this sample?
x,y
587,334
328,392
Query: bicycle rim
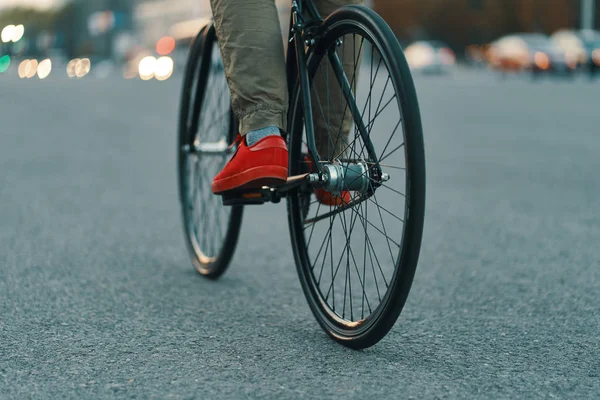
x,y
211,229
370,246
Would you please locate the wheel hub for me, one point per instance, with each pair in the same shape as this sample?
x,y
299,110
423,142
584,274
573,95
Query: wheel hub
x,y
338,177
355,176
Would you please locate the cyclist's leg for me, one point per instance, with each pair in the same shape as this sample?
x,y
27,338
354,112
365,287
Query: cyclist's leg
x,y
251,45
332,124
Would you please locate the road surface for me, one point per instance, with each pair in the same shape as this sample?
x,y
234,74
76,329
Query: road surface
x,y
98,298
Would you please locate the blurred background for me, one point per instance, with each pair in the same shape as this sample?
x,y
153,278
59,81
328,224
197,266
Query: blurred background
x,y
148,38
98,298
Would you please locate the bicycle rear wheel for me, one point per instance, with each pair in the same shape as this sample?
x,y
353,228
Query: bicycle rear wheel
x,y
206,129
356,263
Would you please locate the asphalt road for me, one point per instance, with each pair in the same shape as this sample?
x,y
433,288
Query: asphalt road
x,y
98,298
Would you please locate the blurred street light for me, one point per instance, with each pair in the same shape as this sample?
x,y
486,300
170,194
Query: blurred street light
x,y
4,63
7,33
163,68
31,68
12,33
18,33
146,68
82,68
78,68
28,69
44,68
71,67
165,45
21,69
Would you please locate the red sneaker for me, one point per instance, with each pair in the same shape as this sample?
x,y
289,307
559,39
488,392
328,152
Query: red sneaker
x,y
265,163
327,198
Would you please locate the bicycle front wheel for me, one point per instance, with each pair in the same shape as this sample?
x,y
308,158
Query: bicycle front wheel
x,y
206,129
356,262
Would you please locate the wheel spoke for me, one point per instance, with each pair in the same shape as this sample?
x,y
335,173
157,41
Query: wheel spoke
x,y
392,152
334,274
207,220
376,228
386,210
384,230
335,249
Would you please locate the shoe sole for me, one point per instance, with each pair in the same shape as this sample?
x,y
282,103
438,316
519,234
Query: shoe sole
x,y
253,178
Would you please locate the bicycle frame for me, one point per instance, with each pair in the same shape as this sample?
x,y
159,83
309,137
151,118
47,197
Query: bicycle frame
x,y
299,41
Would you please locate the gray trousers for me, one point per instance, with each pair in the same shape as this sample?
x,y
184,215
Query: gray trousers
x,y
250,39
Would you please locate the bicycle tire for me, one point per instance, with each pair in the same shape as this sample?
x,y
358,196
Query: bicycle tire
x,y
370,330
200,71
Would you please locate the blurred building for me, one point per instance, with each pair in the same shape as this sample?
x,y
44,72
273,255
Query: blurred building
x,y
156,18
180,18
461,22
103,28
94,27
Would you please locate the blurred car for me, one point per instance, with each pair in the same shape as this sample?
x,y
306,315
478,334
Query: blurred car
x,y
527,52
582,47
591,43
431,57
572,46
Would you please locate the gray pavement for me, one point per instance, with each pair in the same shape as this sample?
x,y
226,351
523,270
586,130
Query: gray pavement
x,y
98,299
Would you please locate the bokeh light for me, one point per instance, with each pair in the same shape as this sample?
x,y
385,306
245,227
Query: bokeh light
x,y
596,57
4,63
541,60
21,69
163,68
419,55
44,68
78,67
146,68
165,45
7,33
31,68
71,67
27,68
82,68
17,33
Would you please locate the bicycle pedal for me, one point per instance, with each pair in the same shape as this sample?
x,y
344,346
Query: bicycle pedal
x,y
239,198
263,195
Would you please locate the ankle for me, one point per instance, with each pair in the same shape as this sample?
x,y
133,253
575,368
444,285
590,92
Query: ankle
x,y
254,136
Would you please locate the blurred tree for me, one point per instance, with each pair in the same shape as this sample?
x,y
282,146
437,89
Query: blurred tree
x,y
29,17
35,22
64,27
58,22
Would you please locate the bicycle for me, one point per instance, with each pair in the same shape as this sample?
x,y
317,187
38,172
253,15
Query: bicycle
x,y
383,266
